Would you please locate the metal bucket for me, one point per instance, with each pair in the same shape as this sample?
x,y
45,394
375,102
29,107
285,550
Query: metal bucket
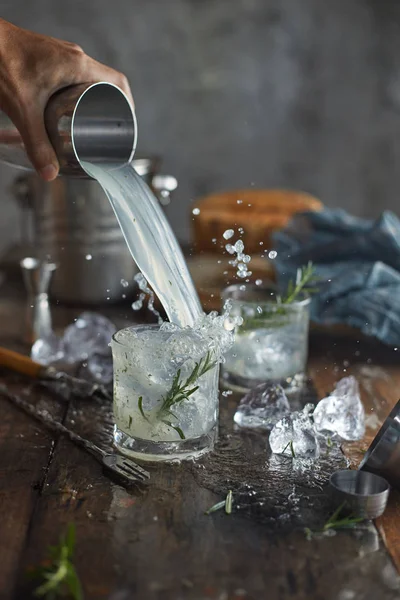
x,y
74,226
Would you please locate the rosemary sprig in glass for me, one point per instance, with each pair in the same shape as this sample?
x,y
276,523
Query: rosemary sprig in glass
x,y
181,389
59,577
304,282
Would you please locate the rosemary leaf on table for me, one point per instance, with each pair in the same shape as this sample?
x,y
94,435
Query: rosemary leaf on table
x,y
59,578
335,522
225,504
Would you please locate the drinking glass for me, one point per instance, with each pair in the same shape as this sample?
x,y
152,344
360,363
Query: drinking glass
x,y
165,393
271,344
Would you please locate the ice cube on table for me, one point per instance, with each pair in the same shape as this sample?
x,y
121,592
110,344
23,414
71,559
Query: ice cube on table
x,y
100,367
295,435
90,334
342,412
47,351
262,407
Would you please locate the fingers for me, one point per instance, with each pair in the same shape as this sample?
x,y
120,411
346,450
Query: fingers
x,y
38,146
96,71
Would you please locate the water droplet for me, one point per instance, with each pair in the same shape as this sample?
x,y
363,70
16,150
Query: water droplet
x,y
124,283
258,281
242,288
228,234
137,305
272,254
239,246
196,211
214,240
229,248
239,201
229,324
259,310
88,257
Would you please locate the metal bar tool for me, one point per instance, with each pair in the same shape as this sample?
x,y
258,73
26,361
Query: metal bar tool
x,y
58,381
114,465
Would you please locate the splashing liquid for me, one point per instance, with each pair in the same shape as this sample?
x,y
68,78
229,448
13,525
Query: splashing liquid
x,y
150,240
241,260
146,291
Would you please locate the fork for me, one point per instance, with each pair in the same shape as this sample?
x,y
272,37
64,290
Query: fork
x,y
114,465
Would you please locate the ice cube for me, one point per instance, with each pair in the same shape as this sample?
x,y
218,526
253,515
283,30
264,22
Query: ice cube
x,y
228,234
100,367
47,351
262,407
91,333
342,412
295,435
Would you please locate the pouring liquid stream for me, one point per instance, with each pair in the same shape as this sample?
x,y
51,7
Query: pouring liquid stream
x,y
150,240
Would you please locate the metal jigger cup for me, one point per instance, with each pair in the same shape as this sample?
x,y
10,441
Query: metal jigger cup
x,y
90,122
362,494
37,277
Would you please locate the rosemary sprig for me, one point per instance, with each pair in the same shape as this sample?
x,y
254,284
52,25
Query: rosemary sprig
x,y
226,504
215,507
181,389
60,578
271,315
335,522
305,277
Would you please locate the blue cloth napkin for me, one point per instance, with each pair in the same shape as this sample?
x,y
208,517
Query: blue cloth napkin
x,y
358,261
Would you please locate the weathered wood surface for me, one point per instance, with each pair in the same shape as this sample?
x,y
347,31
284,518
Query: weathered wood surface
x,y
156,542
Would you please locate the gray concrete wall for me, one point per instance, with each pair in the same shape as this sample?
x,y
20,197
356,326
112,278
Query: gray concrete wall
x,y
233,93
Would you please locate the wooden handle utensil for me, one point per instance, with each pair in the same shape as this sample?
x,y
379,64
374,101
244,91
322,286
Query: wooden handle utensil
x,y
26,366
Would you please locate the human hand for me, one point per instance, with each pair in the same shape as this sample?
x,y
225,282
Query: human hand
x,y
32,68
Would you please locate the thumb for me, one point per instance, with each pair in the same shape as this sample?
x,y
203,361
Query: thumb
x,y
38,146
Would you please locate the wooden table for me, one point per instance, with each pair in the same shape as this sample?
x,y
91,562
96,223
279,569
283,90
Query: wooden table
x,y
156,542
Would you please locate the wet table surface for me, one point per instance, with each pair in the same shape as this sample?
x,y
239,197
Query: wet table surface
x,y
155,542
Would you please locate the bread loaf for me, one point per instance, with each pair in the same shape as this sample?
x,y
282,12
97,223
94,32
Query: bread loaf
x,y
258,212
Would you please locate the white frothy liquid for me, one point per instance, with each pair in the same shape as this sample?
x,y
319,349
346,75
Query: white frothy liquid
x,y
151,241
